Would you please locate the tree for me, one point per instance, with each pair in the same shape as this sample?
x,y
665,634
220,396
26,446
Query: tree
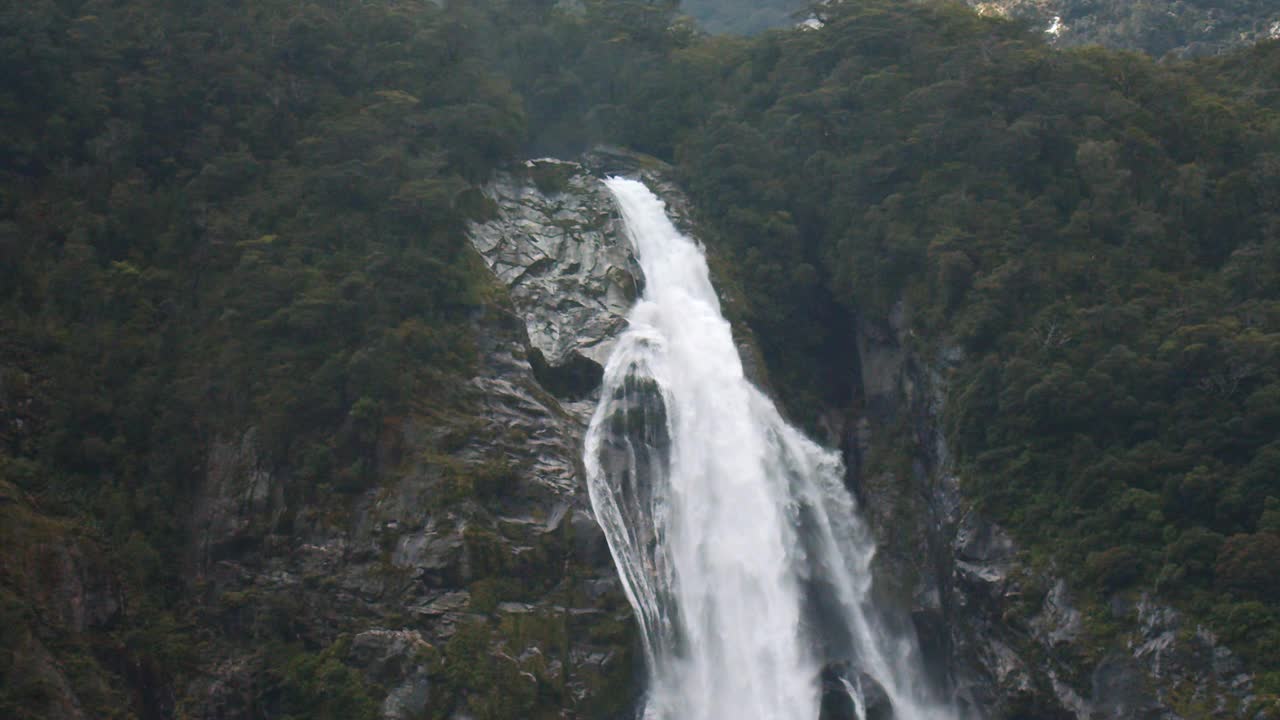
x,y
1247,565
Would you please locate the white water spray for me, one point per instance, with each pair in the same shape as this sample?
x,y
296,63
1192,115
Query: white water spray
x,y
736,541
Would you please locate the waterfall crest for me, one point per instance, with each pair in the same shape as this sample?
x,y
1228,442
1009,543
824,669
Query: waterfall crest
x,y
737,544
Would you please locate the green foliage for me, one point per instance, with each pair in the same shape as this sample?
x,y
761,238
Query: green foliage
x,y
1247,563
53,574
215,217
486,682
318,686
1096,232
1114,568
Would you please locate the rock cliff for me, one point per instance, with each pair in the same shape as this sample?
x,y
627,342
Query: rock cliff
x,y
1006,633
1003,629
472,580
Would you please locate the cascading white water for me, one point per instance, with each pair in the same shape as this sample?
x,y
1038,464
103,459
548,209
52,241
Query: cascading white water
x,y
736,541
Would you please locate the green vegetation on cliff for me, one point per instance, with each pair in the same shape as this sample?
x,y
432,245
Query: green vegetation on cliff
x,y
221,215
1099,234
212,217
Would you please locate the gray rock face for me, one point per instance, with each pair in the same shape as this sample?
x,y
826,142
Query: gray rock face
x,y
1186,660
396,657
557,252
1009,638
239,498
1057,623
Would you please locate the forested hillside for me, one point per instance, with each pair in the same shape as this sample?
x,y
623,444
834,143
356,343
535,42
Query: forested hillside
x,y
214,217
217,216
1096,232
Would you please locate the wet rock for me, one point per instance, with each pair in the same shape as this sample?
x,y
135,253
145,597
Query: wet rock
x,y
843,689
434,549
882,363
559,254
409,698
589,544
1187,660
982,543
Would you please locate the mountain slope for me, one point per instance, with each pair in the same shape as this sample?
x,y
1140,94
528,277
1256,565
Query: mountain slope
x,y
275,442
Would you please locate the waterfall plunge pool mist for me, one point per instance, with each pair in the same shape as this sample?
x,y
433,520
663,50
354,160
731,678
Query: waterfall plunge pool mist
x,y
737,544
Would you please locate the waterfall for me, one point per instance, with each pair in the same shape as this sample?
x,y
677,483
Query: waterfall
x,y
736,542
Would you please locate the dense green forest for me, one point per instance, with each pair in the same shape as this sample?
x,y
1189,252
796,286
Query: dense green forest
x,y
1097,233
215,215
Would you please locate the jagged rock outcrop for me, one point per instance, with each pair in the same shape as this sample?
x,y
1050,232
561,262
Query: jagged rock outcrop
x,y
1008,635
550,245
478,535
556,243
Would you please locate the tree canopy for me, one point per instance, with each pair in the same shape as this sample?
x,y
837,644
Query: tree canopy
x,y
222,214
